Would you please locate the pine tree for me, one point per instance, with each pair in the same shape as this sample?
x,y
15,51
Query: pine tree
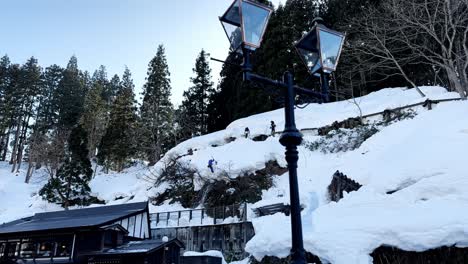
x,y
86,81
70,96
114,87
119,144
28,89
70,185
225,102
100,79
11,107
156,110
94,118
193,115
5,100
46,119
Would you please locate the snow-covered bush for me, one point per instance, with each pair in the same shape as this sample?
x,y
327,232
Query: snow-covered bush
x,y
247,188
392,116
349,139
179,176
342,140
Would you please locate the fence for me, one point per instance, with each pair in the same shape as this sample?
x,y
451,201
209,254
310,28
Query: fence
x,y
227,238
236,213
428,103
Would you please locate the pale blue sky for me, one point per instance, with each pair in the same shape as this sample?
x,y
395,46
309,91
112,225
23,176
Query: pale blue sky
x,y
115,33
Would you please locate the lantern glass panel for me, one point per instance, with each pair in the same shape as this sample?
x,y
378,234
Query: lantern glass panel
x,y
234,35
254,19
233,14
330,45
311,59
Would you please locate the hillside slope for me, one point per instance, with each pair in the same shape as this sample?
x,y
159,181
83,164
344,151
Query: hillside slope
x,y
420,160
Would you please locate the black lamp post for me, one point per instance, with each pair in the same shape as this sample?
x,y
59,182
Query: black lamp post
x,y
245,22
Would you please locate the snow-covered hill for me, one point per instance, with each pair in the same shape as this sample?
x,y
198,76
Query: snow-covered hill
x,y
420,160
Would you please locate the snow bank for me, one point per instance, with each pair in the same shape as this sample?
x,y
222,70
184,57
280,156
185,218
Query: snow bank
x,y
255,154
210,253
318,115
422,158
18,199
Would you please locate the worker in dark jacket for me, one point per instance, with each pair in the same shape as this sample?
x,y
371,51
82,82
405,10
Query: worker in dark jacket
x,y
246,132
273,128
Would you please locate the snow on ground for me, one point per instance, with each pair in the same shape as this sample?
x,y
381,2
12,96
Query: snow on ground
x,y
18,199
423,158
209,253
313,116
318,115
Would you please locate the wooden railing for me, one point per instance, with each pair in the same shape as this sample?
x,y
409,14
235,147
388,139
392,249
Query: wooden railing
x,y
236,213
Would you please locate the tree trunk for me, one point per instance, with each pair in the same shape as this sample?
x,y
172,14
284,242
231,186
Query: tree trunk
x,y
15,145
29,173
19,159
455,82
7,141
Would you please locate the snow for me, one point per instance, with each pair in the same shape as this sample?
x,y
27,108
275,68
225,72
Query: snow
x,y
210,253
422,159
17,199
227,158
125,185
313,116
318,115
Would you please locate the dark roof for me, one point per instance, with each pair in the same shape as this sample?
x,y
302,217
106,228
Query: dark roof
x,y
138,247
87,217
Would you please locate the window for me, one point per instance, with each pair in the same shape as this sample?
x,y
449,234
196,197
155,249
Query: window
x,y
27,250
144,231
45,250
125,223
63,248
46,247
131,226
2,248
11,249
138,226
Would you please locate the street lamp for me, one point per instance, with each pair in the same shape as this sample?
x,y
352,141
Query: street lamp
x,y
320,51
245,22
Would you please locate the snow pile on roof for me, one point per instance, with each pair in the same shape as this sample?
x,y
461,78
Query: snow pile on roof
x,y
136,247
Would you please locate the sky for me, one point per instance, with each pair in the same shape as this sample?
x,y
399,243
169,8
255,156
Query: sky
x,y
116,33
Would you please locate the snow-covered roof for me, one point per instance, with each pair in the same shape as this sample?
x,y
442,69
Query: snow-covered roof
x,y
68,219
145,246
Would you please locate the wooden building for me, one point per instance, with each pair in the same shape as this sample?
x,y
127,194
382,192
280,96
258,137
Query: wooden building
x,y
81,236
146,251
